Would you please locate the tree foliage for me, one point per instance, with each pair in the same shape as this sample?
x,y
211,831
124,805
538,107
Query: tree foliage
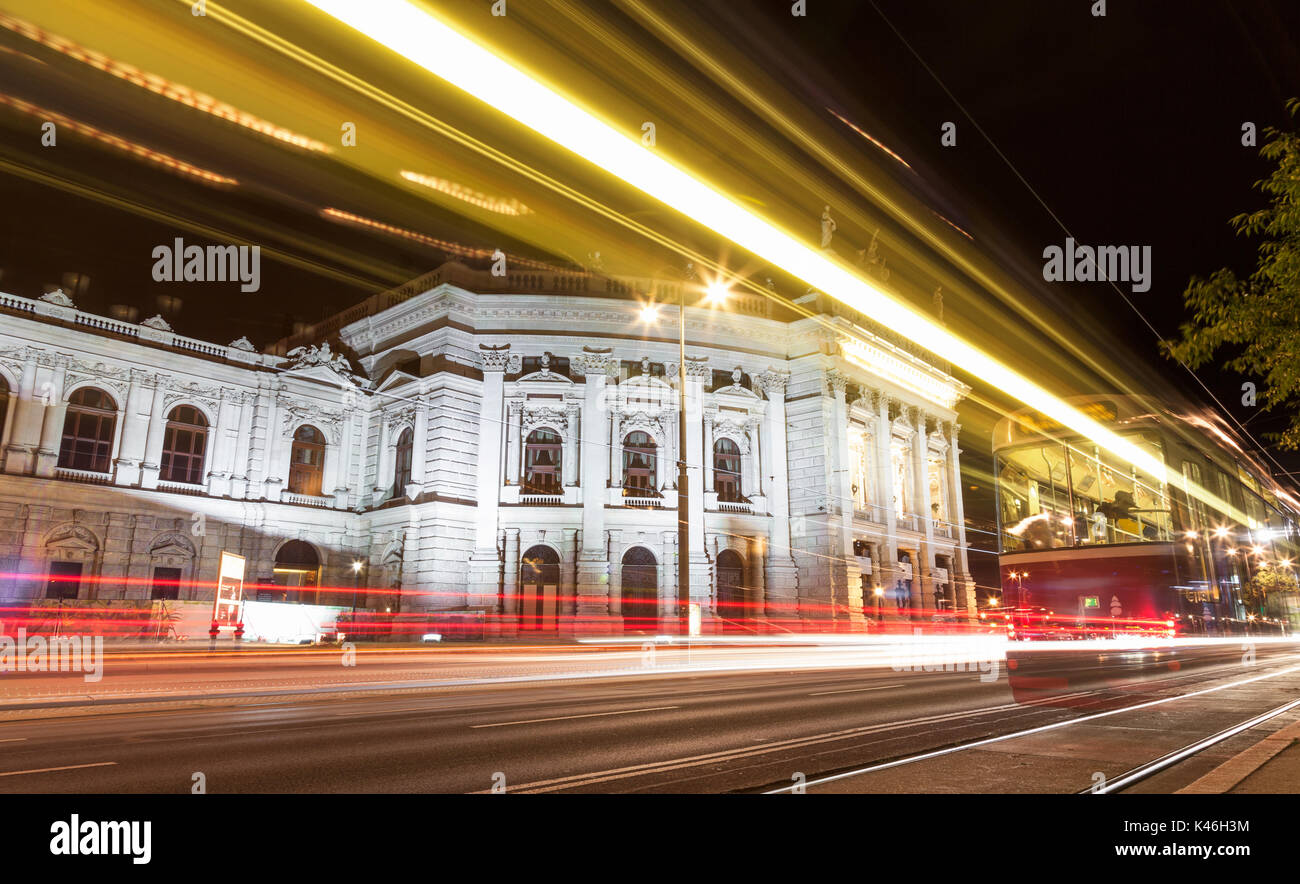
x,y
1255,322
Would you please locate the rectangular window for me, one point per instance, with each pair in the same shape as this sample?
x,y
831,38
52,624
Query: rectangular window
x,y
65,580
166,584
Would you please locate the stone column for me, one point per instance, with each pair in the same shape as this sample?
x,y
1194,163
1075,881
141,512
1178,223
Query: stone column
x,y
485,560
25,436
514,466
509,618
569,604
572,434
337,486
135,428
962,584
56,409
592,571
696,373
846,578
887,568
384,463
782,573
420,445
275,467
752,483
224,441
710,483
615,451
923,581
668,576
152,466
243,443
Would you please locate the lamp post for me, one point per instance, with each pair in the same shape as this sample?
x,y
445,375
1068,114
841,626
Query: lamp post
x,y
716,295
357,565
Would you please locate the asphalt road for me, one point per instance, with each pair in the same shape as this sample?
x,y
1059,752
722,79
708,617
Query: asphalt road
x,y
693,731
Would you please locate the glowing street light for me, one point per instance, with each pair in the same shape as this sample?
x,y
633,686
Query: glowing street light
x,y
649,316
717,293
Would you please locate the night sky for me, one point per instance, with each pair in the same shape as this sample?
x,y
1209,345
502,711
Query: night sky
x,y
1127,127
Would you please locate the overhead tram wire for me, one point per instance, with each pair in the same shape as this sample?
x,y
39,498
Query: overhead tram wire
x,y
1066,230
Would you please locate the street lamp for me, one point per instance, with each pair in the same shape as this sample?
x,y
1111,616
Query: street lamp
x,y
357,565
716,295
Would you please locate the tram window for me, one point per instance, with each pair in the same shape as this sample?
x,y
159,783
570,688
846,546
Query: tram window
x,y
1034,498
1119,504
1197,517
1053,495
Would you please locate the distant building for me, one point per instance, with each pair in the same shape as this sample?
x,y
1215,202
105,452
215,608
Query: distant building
x,y
504,445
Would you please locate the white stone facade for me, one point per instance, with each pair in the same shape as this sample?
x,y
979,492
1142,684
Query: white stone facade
x,y
842,447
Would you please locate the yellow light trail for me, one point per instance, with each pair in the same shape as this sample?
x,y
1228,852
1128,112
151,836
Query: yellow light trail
x,y
159,85
139,150
423,39
501,206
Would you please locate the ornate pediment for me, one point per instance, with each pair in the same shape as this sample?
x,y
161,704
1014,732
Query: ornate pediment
x,y
296,414
546,416
72,536
545,374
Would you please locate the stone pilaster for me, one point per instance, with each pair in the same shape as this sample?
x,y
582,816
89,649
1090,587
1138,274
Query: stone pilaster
x,y
485,559
781,572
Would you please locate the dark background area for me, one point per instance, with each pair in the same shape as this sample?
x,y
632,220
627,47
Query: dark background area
x,y
1126,129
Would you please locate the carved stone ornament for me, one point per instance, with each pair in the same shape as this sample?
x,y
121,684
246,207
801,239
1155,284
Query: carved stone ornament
x,y
312,356
157,323
773,382
494,358
58,297
556,418
401,418
596,361
243,343
74,535
697,368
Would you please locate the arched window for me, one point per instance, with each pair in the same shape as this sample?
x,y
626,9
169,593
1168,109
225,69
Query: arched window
x,y
726,471
539,586
639,464
297,565
402,462
184,446
732,602
640,590
88,431
542,459
307,460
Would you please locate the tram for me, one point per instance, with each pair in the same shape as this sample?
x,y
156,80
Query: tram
x,y
1091,547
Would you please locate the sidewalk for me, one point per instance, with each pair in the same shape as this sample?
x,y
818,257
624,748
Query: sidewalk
x,y
1270,767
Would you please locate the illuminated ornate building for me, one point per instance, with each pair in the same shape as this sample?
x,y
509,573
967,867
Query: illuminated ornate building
x,y
502,444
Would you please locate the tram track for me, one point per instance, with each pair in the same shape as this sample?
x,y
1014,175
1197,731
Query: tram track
x,y
1127,779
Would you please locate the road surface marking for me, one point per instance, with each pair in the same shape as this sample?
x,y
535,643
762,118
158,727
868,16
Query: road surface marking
x,y
14,773
570,717
744,751
856,690
1029,732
